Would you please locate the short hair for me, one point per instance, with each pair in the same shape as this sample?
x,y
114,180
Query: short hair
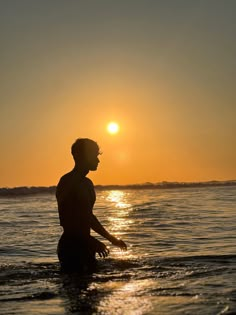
x,y
82,146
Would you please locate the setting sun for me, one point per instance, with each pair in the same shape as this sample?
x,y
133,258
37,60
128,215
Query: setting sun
x,y
113,127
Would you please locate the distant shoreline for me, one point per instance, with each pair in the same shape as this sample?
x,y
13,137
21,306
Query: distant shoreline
x,y
31,190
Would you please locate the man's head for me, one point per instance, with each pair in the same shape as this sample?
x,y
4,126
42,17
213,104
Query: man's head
x,y
85,153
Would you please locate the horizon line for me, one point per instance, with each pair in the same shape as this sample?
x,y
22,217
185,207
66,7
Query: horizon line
x,y
29,190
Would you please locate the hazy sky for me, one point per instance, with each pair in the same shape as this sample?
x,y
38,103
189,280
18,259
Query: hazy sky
x,y
164,70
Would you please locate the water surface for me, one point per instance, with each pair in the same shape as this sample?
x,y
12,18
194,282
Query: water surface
x,y
181,256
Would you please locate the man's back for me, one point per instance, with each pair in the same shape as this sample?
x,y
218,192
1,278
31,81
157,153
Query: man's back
x,y
75,196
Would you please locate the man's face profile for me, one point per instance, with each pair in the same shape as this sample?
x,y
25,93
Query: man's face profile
x,y
91,159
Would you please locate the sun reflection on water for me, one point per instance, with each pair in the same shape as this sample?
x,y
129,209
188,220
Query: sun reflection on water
x,y
119,198
119,219
125,298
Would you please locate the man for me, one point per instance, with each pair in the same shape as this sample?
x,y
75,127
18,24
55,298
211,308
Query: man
x,y
75,197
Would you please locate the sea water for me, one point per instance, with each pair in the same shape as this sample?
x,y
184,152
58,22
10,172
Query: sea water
x,y
181,256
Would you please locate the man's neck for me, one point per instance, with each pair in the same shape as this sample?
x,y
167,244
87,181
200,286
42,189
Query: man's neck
x,y
80,169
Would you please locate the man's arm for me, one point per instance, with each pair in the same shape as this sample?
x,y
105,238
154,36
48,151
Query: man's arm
x,y
98,228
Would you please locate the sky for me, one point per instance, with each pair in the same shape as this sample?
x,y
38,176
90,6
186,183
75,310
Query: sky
x,y
164,70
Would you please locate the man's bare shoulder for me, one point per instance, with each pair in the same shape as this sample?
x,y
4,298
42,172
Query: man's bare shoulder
x,y
66,178
74,181
88,181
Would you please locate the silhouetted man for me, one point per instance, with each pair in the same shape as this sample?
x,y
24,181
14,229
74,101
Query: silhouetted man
x,y
76,197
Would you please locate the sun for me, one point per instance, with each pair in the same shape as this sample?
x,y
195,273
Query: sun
x,y
113,127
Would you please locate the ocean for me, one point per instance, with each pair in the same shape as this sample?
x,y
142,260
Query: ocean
x,y
181,256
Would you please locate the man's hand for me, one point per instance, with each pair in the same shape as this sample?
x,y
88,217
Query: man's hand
x,y
99,247
102,250
97,227
119,243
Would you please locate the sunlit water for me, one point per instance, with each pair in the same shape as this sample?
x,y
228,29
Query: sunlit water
x,y
181,256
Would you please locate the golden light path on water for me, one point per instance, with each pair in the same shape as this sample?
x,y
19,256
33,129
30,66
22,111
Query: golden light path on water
x,y
119,221
125,294
125,299
128,295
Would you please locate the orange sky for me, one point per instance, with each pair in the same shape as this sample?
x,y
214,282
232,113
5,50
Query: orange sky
x,y
164,71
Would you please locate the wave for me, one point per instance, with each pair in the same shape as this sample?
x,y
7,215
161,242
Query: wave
x,y
110,268
30,190
159,276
